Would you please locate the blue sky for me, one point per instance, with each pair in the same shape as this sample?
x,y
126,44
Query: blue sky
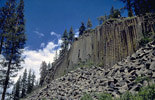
x,y
46,21
46,16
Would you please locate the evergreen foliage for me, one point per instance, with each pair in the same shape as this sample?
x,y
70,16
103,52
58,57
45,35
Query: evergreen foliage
x,y
139,6
24,84
12,40
114,13
49,64
82,29
89,24
71,35
16,90
29,85
101,19
128,6
117,13
2,26
33,81
65,42
43,72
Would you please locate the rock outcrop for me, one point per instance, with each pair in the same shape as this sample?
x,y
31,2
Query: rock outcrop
x,y
105,45
121,77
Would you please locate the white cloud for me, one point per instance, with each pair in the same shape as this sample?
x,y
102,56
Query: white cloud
x,y
39,33
55,34
34,58
59,42
42,45
77,33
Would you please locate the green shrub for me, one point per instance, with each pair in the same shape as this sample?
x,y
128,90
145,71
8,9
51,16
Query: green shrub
x,y
43,99
148,37
140,79
127,96
101,64
144,41
86,97
84,64
147,93
104,96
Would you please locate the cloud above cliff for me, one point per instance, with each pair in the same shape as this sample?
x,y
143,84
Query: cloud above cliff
x,y
55,34
76,32
34,58
39,33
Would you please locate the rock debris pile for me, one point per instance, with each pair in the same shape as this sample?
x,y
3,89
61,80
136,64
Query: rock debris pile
x,y
120,78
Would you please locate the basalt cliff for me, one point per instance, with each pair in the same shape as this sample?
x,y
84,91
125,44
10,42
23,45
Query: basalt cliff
x,y
105,45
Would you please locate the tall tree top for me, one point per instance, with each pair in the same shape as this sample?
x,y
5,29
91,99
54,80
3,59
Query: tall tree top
x,y
112,10
89,23
65,35
71,35
82,28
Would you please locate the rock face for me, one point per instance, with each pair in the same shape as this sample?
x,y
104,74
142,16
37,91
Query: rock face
x,y
122,77
105,45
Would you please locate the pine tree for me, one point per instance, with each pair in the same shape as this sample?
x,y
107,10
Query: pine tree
x,y
117,13
16,90
43,72
15,34
89,24
29,87
33,81
101,19
128,6
71,35
64,45
3,17
143,6
24,84
81,29
30,81
49,64
112,12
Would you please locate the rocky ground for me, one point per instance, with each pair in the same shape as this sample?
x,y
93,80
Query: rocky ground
x,y
129,74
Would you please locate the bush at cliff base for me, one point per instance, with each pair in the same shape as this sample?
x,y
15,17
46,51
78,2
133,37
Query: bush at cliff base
x,y
145,93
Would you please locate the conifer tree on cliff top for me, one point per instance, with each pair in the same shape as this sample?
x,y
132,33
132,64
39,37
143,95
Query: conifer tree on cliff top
x,y
89,24
128,6
71,35
82,28
65,42
14,42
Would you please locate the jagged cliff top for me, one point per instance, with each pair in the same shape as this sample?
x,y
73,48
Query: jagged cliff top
x,y
116,80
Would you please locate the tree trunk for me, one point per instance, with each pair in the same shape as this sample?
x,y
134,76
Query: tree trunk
x,y
1,44
6,80
130,12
